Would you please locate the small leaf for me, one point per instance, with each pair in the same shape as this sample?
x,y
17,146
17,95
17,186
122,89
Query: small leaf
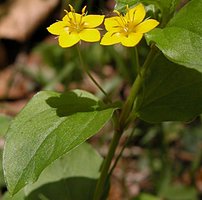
x,y
50,125
171,93
121,4
167,7
181,39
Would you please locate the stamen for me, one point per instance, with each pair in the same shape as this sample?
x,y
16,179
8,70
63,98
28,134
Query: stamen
x,y
117,12
83,10
134,16
127,9
71,8
121,17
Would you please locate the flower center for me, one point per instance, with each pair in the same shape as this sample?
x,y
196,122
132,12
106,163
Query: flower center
x,y
75,23
126,25
129,27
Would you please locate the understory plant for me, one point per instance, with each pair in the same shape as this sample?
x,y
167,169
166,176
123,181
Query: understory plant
x,y
167,87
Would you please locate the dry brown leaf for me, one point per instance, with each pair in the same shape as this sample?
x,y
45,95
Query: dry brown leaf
x,y
23,17
12,84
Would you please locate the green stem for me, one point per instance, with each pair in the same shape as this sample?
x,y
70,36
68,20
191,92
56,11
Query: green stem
x,y
121,152
91,77
121,125
106,165
137,58
135,88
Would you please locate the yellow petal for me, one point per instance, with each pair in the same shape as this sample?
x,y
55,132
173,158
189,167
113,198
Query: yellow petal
x,y
131,40
57,28
66,20
92,21
146,26
90,35
136,14
110,38
68,40
113,23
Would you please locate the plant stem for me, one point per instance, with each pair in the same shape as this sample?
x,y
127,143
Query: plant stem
x,y
121,152
135,88
121,125
106,165
91,77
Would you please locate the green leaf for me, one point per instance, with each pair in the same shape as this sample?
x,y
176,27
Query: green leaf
x,y
145,196
167,7
121,4
19,196
49,126
4,124
66,176
2,183
179,192
181,39
171,93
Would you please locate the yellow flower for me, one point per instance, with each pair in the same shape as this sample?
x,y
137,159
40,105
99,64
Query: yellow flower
x,y
127,29
75,27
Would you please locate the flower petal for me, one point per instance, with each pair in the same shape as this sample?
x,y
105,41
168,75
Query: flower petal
x,y
56,28
66,20
146,26
68,40
110,38
113,24
136,14
92,21
90,35
131,40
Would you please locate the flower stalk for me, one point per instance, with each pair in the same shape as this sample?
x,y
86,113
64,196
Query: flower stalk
x,y
123,122
91,77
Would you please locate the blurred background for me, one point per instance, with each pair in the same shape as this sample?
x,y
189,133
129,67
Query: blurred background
x,y
160,162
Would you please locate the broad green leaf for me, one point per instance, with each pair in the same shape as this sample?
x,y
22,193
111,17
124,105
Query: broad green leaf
x,y
181,39
19,196
66,176
171,93
50,125
4,124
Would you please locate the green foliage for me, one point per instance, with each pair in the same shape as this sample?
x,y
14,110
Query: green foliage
x,y
4,124
49,126
2,183
121,4
167,7
168,87
171,93
65,177
181,39
145,196
179,192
